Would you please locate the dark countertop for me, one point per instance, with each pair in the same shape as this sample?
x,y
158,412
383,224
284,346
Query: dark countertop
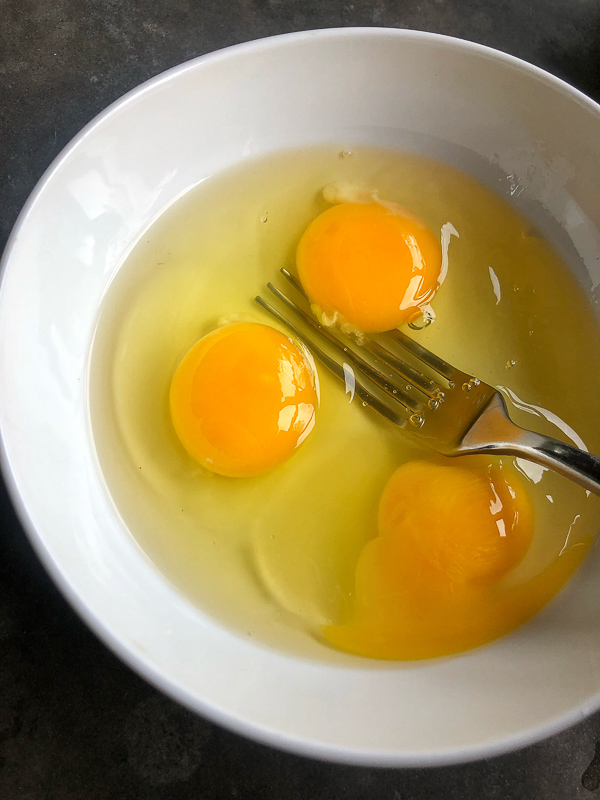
x,y
75,724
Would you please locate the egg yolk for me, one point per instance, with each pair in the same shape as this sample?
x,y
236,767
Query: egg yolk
x,y
430,583
368,265
243,399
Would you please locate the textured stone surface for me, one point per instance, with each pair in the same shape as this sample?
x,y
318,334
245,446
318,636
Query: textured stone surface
x,y
74,723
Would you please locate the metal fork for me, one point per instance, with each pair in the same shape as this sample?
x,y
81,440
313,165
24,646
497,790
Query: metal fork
x,y
450,411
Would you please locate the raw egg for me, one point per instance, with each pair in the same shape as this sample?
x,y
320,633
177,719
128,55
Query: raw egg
x,y
471,525
276,556
429,584
243,399
369,266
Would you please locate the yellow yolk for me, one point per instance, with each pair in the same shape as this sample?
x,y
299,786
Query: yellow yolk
x,y
370,264
470,525
430,583
243,399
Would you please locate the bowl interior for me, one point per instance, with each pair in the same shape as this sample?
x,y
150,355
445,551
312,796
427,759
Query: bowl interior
x,y
530,136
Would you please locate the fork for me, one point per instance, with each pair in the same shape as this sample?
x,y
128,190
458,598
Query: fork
x,y
451,411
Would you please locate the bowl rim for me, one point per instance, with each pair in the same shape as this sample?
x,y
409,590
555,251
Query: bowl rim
x,y
297,744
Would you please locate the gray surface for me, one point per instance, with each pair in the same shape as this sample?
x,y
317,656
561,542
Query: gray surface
x,y
74,723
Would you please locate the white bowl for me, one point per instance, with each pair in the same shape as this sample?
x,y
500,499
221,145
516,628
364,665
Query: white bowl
x,y
532,135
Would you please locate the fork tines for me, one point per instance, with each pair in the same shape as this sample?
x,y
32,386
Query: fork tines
x,y
396,389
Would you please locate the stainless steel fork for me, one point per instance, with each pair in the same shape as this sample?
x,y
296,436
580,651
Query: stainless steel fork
x,y
450,411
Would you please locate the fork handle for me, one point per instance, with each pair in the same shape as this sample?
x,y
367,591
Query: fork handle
x,y
573,463
495,432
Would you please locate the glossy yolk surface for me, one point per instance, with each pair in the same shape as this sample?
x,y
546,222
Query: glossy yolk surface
x,y
431,583
243,399
371,264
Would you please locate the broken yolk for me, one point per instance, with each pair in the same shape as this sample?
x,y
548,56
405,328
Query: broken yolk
x,y
243,399
470,525
431,583
369,265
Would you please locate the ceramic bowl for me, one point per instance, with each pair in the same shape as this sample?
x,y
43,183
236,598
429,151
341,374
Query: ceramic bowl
x,y
531,135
